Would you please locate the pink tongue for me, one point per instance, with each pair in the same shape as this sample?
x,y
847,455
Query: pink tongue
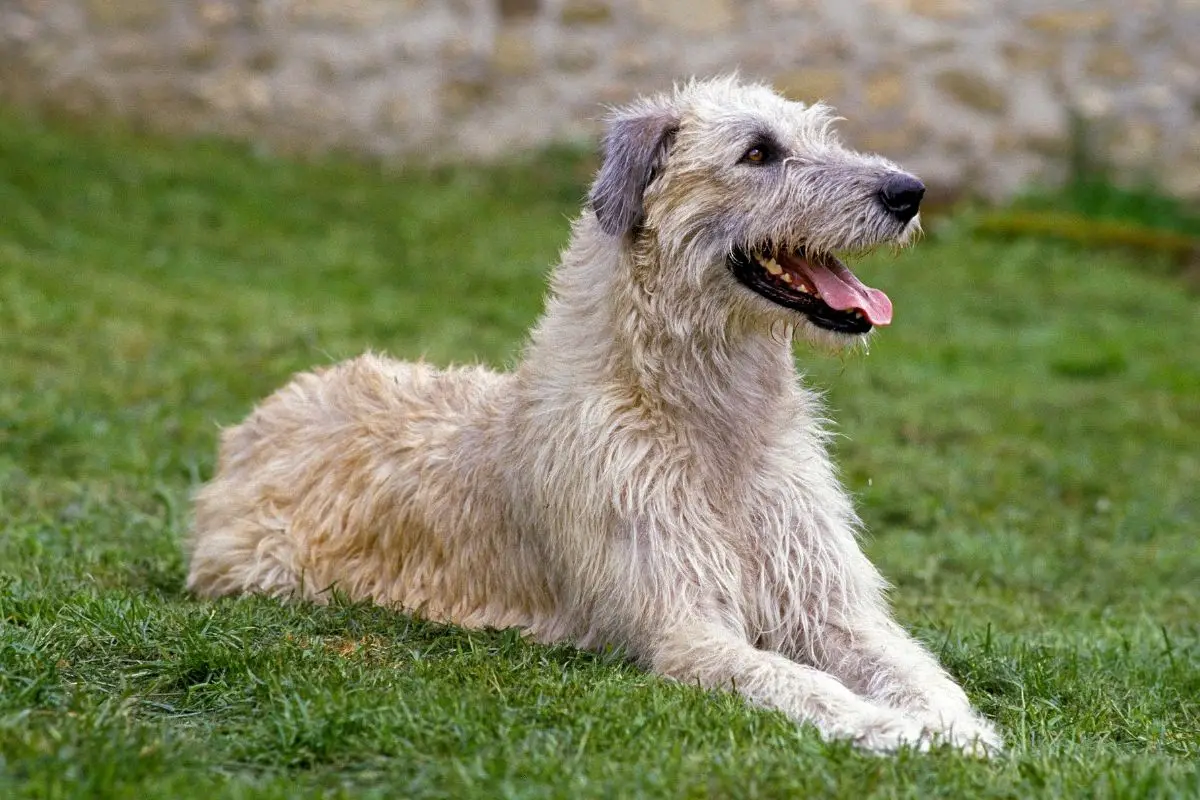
x,y
841,290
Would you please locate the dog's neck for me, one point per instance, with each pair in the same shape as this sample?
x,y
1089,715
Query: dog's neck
x,y
613,332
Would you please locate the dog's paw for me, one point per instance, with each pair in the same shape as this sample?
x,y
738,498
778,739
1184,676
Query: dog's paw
x,y
885,732
966,733
889,731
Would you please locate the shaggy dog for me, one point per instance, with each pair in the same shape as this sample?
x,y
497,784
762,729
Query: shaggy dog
x,y
652,475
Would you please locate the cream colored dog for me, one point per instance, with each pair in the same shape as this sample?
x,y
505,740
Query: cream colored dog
x,y
652,476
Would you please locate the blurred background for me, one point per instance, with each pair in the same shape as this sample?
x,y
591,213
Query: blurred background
x,y
975,96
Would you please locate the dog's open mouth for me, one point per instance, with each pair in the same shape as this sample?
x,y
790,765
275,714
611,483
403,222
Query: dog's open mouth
x,y
817,285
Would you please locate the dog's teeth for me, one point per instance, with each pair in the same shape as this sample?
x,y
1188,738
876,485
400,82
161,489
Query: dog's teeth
x,y
804,287
772,266
786,277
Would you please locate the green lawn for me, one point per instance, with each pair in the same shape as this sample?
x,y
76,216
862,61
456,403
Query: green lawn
x,y
1024,443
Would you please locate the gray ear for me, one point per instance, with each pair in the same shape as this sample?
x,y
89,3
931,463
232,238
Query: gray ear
x,y
636,144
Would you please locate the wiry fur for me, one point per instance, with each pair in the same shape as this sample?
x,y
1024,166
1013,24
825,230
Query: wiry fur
x,y
651,476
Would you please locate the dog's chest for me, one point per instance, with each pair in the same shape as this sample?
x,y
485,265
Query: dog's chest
x,y
797,539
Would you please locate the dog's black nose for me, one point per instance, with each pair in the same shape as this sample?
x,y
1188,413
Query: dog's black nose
x,y
901,196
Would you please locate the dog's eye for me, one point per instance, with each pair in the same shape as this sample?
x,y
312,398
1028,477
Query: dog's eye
x,y
759,154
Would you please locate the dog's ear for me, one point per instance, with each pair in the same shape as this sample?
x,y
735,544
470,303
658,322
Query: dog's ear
x,y
636,143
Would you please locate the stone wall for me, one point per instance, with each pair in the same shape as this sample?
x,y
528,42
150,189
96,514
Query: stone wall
x,y
976,94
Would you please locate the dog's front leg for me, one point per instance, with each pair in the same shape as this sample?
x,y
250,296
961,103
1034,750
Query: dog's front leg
x,y
874,656
714,657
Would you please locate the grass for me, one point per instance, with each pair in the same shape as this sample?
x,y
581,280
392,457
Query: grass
x,y
1024,444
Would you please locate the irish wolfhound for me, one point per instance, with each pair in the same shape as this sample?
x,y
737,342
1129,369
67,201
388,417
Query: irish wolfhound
x,y
652,475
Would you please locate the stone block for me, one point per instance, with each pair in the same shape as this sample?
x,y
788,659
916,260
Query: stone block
x,y
574,57
130,50
1157,31
1094,103
828,46
634,59
948,10
972,90
1155,95
1133,143
346,13
458,50
692,16
513,52
460,96
1067,22
936,47
585,12
1045,144
794,6
220,14
80,97
518,9
1182,176
1183,180
1029,57
811,85
891,140
395,114
884,89
200,52
126,13
1110,63
262,58
235,91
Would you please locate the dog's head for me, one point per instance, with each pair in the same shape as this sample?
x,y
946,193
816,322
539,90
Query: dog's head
x,y
748,199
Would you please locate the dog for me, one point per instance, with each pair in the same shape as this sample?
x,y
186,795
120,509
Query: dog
x,y
652,476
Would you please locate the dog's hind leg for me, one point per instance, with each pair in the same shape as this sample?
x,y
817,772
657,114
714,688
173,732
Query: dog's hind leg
x,y
240,542
245,556
708,654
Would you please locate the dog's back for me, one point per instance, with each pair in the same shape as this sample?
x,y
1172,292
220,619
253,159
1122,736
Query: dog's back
x,y
369,457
